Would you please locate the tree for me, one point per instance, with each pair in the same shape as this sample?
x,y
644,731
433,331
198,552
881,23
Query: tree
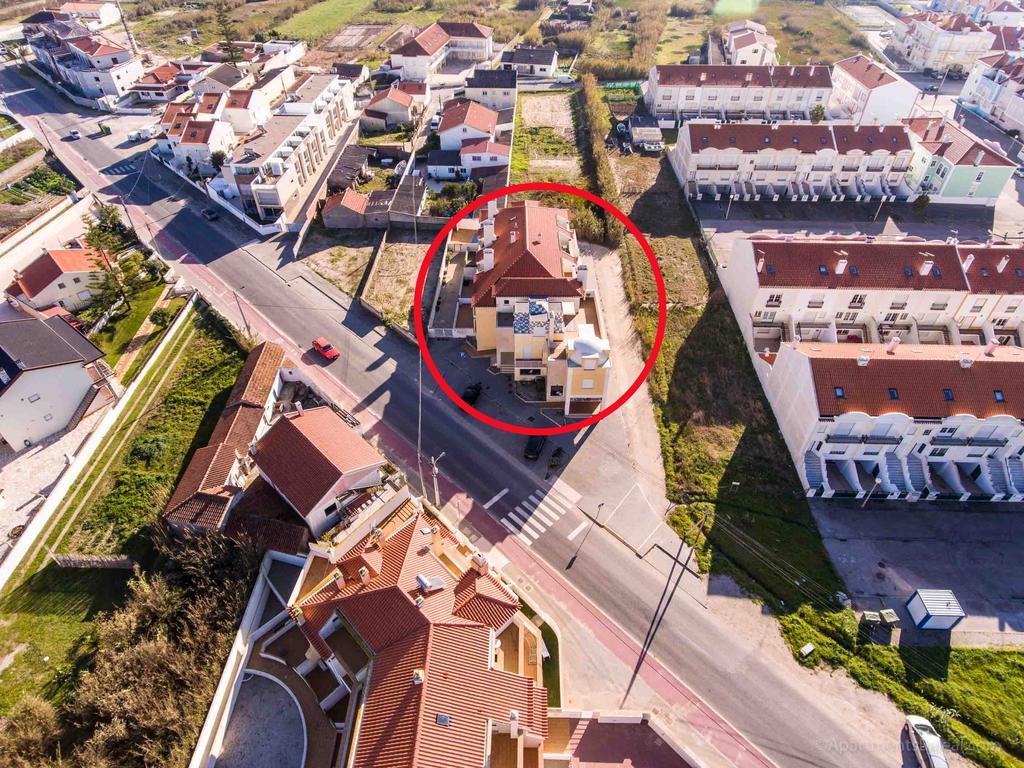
x,y
817,113
111,285
161,317
920,204
217,158
226,26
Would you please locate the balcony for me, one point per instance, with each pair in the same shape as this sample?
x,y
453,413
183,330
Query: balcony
x,y
844,439
989,442
949,441
883,439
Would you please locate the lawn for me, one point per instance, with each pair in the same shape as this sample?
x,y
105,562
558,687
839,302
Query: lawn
x,y
118,333
317,22
381,181
151,343
17,153
681,38
806,32
544,142
398,136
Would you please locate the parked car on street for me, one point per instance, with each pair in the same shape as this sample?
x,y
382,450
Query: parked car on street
x,y
75,135
926,743
323,346
210,214
534,447
472,393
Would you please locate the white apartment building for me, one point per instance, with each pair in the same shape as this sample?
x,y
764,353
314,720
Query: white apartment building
x,y
995,87
747,42
93,14
940,41
901,420
1005,14
91,66
273,171
677,91
246,110
867,92
200,140
798,161
436,44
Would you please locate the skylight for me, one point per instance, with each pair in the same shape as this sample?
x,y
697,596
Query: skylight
x,y
947,395
1000,397
894,394
854,271
908,272
840,393
822,269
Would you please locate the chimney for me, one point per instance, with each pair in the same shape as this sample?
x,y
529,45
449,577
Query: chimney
x,y
513,722
968,261
339,579
487,262
890,348
841,266
418,676
979,157
364,575
492,209
480,564
760,264
436,540
1002,264
863,360
488,229
419,601
583,275
990,348
926,266
966,362
298,408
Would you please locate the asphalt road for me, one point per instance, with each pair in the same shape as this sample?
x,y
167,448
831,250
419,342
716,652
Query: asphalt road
x,y
760,700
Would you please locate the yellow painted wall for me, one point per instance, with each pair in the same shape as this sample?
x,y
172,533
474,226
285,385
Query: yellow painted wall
x,y
485,326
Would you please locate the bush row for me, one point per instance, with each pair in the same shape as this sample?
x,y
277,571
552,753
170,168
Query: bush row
x,y
595,125
646,31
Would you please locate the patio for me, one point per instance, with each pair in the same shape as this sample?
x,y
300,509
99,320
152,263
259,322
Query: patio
x,y
249,742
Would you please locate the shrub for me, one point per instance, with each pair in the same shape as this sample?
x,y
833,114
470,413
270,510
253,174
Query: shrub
x,y
596,125
161,317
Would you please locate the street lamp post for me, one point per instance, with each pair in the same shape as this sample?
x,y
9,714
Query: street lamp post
x,y
873,489
433,471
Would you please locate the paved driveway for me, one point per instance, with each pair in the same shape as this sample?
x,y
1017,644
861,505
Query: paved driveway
x,y
888,550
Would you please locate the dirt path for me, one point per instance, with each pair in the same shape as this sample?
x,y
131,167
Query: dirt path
x,y
142,335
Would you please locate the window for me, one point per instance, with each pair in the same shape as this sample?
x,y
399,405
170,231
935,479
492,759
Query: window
x,y
854,271
999,396
979,177
5,378
774,300
822,269
840,393
858,300
936,271
978,306
947,395
938,451
588,384
947,431
557,390
894,394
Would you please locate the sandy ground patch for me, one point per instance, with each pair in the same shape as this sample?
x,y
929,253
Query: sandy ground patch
x,y
355,36
340,257
549,110
391,287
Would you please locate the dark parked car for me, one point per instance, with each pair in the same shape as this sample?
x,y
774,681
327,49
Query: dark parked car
x,y
210,215
534,447
472,393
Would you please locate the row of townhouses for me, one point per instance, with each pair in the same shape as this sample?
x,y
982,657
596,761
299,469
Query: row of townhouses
x,y
892,366
836,161
748,42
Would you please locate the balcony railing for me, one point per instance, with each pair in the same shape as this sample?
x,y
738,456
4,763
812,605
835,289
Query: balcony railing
x,y
940,440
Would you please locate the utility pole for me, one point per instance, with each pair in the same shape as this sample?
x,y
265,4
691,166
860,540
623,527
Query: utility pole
x,y
873,489
433,471
128,32
245,322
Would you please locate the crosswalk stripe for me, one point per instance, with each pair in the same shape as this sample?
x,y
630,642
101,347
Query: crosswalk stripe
x,y
550,505
496,496
577,530
537,511
511,529
553,500
523,524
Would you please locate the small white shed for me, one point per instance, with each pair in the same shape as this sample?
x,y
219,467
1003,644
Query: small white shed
x,y
934,609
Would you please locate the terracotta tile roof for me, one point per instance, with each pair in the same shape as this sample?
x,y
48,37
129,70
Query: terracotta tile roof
x,y
988,273
466,29
747,38
256,380
528,257
305,456
197,131
879,265
737,76
93,46
1006,7
239,99
46,269
269,533
870,138
459,112
920,374
203,494
865,71
428,42
951,22
1007,38
165,74
741,24
174,111
400,725
237,427
391,94
412,88
209,102
483,146
350,199
753,137
946,139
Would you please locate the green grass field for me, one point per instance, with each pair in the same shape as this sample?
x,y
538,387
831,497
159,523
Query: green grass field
x,y
323,18
118,333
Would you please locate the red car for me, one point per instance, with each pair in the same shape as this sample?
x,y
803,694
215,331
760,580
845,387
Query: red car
x,y
323,346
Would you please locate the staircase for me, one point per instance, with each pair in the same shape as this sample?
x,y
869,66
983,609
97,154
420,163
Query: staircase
x,y
894,469
812,471
997,476
83,407
1016,468
917,476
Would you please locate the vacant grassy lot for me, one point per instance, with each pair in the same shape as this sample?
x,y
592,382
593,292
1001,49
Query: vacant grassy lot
x,y
317,22
340,257
390,289
8,126
544,146
681,38
805,31
17,153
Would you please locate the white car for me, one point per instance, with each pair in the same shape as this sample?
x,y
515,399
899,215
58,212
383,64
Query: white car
x,y
926,743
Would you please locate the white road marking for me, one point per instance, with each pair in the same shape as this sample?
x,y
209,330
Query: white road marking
x,y
569,493
495,498
577,530
511,529
545,515
521,519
